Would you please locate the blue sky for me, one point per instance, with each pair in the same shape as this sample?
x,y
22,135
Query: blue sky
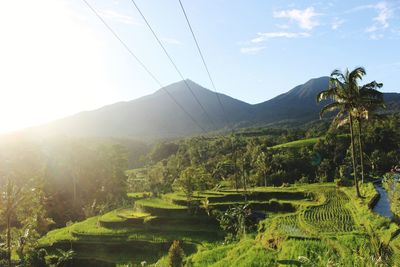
x,y
62,58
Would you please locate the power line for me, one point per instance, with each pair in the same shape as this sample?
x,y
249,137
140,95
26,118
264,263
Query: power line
x,y
143,66
173,63
204,62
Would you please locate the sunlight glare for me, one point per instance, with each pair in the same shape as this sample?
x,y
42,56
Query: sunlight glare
x,y
49,62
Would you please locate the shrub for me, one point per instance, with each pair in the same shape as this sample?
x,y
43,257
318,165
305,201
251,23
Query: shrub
x,y
3,257
36,258
344,182
175,255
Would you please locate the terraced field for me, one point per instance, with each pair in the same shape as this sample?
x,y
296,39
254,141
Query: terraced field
x,y
145,230
290,225
330,231
333,215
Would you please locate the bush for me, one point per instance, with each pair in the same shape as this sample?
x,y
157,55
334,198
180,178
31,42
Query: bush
x,y
36,258
175,255
343,182
3,257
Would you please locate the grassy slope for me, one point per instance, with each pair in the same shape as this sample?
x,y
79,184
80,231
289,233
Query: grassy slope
x,y
343,237
304,142
162,222
299,143
332,227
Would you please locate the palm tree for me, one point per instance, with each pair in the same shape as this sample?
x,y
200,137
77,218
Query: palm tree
x,y
344,91
370,99
11,197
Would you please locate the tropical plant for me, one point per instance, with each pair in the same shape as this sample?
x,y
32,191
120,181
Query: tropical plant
x,y
64,257
9,201
236,221
187,183
175,255
370,99
345,93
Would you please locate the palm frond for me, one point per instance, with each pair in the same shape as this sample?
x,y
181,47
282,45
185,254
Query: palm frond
x,y
340,119
330,107
329,93
356,74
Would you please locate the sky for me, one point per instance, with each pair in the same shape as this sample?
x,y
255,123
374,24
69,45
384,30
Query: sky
x,y
57,58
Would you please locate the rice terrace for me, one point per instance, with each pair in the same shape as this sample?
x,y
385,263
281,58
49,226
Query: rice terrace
x,y
207,133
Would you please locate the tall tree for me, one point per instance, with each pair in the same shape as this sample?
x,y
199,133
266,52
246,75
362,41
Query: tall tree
x,y
369,100
345,93
261,163
11,197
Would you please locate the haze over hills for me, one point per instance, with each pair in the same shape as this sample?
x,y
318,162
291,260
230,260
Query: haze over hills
x,y
158,116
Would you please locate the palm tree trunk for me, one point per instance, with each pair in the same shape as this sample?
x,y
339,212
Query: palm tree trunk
x,y
353,156
236,172
9,238
265,179
360,145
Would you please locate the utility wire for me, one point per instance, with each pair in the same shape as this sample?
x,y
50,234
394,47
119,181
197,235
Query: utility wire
x,y
144,66
173,63
204,62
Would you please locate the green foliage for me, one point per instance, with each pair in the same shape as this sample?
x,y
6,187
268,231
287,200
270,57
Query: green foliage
x,y
36,258
157,203
3,257
64,257
299,143
246,252
162,150
175,255
22,216
392,185
236,221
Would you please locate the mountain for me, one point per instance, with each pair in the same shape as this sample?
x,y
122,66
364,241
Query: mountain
x,y
155,115
158,116
298,103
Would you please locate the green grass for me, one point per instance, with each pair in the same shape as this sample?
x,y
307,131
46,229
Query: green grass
x,y
299,143
139,195
120,215
158,203
330,226
304,142
158,220
332,231
331,216
246,253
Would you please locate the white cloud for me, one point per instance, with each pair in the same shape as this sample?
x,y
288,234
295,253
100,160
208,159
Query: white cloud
x,y
305,18
263,36
384,14
171,41
381,20
122,18
337,23
252,50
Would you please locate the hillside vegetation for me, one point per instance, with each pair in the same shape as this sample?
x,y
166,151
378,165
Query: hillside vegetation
x,y
259,196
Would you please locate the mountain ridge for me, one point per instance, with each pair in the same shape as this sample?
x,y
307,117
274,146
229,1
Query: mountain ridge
x,y
157,116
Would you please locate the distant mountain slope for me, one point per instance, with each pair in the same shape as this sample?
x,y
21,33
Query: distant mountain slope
x,y
298,103
157,116
154,116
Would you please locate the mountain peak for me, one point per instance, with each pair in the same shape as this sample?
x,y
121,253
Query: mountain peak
x,y
310,89
158,116
182,87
